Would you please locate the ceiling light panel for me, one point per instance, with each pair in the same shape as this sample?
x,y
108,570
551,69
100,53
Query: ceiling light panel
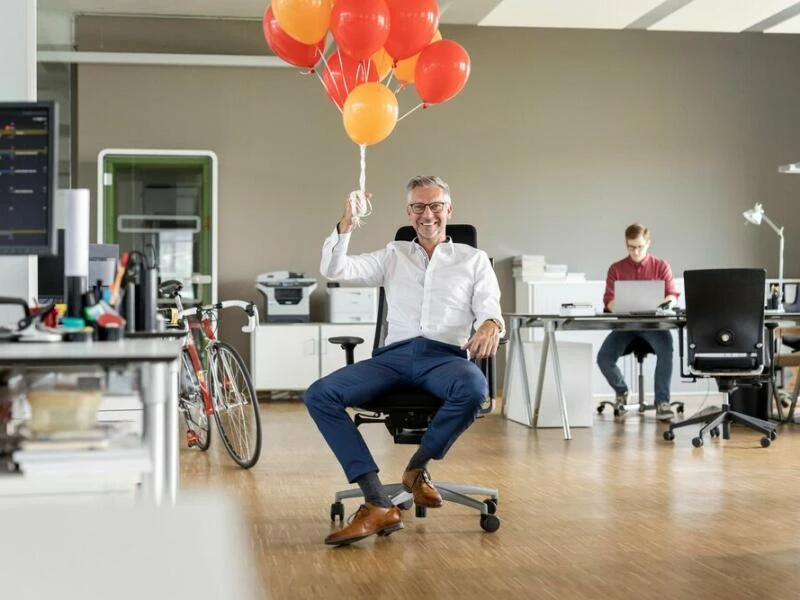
x,y
596,14
721,15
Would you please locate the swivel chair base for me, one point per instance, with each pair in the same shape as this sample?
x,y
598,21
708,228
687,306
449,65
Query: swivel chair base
x,y
724,418
450,492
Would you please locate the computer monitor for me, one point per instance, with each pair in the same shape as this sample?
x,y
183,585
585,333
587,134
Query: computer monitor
x,y
28,175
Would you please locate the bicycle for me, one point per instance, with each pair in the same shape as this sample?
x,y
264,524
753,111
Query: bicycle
x,y
228,391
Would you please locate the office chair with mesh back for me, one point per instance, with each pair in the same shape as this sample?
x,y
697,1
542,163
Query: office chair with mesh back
x,y
640,348
406,413
725,340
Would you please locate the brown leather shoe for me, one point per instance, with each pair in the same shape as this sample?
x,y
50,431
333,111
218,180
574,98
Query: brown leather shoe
x,y
366,521
418,482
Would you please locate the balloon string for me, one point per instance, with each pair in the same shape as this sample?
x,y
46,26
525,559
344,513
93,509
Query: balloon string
x,y
411,111
362,178
344,79
333,79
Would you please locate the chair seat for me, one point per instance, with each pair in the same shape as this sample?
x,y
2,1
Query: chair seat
x,y
413,398
639,347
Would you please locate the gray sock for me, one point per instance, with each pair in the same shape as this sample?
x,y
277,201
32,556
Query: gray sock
x,y
373,491
420,460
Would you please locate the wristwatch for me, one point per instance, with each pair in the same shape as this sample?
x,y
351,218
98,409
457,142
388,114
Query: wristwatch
x,y
497,324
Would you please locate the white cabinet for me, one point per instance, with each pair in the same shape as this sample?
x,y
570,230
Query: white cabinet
x,y
285,357
292,356
332,356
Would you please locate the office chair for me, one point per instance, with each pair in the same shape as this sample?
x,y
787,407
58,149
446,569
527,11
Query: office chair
x,y
407,413
640,348
725,340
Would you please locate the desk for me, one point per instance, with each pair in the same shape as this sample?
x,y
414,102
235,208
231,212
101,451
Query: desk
x,y
551,323
158,366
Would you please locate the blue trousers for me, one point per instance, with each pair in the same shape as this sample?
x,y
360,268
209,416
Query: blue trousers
x,y
440,369
615,344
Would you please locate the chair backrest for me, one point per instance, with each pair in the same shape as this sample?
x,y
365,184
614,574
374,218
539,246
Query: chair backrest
x,y
725,320
461,234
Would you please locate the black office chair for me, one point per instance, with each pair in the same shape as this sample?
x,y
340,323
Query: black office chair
x,y
407,413
640,348
725,340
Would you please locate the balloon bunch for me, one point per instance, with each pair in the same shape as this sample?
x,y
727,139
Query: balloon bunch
x,y
376,41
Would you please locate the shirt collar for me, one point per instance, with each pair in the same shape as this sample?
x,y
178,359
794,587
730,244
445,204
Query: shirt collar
x,y
639,264
447,246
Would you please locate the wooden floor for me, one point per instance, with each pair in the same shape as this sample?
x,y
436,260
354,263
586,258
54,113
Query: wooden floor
x,y
615,513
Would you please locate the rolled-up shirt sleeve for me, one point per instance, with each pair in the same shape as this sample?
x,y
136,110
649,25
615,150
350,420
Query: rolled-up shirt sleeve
x,y
336,264
486,293
670,287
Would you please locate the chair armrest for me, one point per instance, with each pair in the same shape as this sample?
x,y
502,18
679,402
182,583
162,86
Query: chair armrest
x,y
348,344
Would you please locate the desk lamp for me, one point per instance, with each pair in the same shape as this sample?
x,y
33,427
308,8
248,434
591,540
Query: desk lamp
x,y
755,215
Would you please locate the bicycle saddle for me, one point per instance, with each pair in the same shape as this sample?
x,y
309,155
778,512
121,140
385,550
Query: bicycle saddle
x,y
170,288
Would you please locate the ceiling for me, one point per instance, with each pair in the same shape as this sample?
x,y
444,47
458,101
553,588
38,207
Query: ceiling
x,y
769,16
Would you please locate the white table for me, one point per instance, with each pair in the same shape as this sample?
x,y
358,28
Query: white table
x,y
157,361
551,323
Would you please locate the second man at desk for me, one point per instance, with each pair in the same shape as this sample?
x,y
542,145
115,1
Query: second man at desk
x,y
639,265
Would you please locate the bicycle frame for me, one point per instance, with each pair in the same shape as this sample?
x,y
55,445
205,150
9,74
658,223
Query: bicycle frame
x,y
203,316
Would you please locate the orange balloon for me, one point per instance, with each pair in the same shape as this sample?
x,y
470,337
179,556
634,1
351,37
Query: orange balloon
x,y
370,113
307,21
404,71
383,62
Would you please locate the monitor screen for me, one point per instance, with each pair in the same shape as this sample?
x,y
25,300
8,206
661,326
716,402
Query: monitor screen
x,y
28,171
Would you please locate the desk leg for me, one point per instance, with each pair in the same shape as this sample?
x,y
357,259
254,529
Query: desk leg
x,y
152,383
172,433
513,335
515,350
540,380
551,336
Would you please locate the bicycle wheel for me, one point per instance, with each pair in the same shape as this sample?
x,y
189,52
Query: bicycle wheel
x,y
190,403
235,404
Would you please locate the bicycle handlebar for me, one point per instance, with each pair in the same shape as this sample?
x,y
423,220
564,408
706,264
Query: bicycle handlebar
x,y
247,307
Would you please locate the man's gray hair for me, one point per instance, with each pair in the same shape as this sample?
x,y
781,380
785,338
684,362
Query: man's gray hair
x,y
427,181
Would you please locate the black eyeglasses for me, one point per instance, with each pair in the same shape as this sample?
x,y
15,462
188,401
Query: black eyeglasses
x,y
419,207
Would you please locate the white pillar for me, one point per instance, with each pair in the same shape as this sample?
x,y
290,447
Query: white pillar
x,y
18,274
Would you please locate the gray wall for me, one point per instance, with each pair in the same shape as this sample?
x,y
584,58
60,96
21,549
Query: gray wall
x,y
560,139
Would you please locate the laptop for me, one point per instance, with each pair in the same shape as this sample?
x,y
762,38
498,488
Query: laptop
x,y
639,297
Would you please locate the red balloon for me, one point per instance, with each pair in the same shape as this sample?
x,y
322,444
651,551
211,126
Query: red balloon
x,y
289,49
360,27
343,74
442,71
413,23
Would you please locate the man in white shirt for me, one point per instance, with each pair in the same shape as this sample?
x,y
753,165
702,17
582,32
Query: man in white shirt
x,y
436,292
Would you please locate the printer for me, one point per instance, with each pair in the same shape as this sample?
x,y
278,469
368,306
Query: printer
x,y
286,296
352,304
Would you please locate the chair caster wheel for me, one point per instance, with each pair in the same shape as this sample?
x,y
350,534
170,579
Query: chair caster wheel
x,y
697,442
490,523
420,511
491,505
773,435
616,412
714,432
680,409
337,510
765,442
600,409
669,435
406,505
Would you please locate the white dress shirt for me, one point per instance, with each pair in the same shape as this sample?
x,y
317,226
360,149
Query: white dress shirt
x,y
441,299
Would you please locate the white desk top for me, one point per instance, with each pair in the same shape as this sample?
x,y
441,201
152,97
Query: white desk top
x,y
80,353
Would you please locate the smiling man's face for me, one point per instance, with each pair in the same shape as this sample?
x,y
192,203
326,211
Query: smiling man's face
x,y
428,212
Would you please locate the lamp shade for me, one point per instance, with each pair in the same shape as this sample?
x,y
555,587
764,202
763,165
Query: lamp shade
x,y
754,215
